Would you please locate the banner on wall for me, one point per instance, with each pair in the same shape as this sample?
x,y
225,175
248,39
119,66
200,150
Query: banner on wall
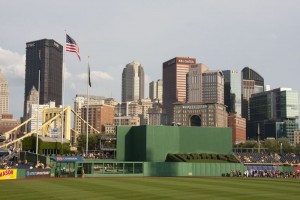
x,y
297,169
38,173
6,174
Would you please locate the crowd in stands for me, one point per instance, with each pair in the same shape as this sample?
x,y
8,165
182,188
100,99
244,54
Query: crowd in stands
x,y
9,159
250,157
263,174
10,164
290,158
98,155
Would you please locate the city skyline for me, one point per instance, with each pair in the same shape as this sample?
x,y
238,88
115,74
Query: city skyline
x,y
224,35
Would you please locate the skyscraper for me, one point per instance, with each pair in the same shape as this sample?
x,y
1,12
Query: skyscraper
x,y
133,82
174,83
213,87
204,86
45,56
156,90
4,98
233,91
194,82
252,83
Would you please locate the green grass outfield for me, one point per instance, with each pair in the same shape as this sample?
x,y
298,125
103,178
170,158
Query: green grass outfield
x,y
151,188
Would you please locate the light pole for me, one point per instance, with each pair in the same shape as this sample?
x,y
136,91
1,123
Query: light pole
x,y
38,110
87,110
258,137
120,111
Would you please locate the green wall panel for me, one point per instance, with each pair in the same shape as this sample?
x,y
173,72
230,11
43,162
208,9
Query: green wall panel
x,y
153,143
21,173
122,132
205,140
189,169
160,141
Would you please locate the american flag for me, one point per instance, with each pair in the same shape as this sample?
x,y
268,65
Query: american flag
x,y
71,45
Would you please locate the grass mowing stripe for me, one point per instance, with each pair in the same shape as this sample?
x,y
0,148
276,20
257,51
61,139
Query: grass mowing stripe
x,y
149,191
120,187
54,189
248,185
239,186
164,190
151,188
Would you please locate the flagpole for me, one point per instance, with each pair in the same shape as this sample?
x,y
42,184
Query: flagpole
x,y
62,98
70,46
87,110
38,108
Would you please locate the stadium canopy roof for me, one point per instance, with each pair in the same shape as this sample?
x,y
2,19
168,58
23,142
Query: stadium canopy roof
x,y
66,159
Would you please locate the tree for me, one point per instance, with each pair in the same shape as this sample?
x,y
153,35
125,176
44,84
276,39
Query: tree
x,y
272,146
93,142
285,145
297,149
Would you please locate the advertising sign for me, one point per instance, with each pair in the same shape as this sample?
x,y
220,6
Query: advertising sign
x,y
67,158
6,174
38,173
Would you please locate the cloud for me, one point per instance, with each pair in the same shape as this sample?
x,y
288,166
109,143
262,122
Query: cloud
x,y
274,36
98,75
12,64
147,79
67,73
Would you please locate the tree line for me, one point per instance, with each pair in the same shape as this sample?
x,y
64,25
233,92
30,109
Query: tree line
x,y
270,146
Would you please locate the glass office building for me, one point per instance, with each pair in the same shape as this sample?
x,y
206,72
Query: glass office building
x,y
275,112
233,91
252,83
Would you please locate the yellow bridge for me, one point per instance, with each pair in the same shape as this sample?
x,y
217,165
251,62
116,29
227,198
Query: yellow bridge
x,y
48,119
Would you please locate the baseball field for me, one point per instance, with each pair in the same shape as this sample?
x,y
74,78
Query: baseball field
x,y
151,188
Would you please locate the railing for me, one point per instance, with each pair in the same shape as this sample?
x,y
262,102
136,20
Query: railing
x,y
8,157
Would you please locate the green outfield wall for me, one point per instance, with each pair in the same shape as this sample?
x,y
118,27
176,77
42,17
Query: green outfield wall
x,y
190,169
21,173
153,143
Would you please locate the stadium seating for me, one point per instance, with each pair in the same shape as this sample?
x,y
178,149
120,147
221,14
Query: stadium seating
x,y
251,157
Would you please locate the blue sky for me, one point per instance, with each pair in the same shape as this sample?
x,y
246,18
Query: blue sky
x,y
223,34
